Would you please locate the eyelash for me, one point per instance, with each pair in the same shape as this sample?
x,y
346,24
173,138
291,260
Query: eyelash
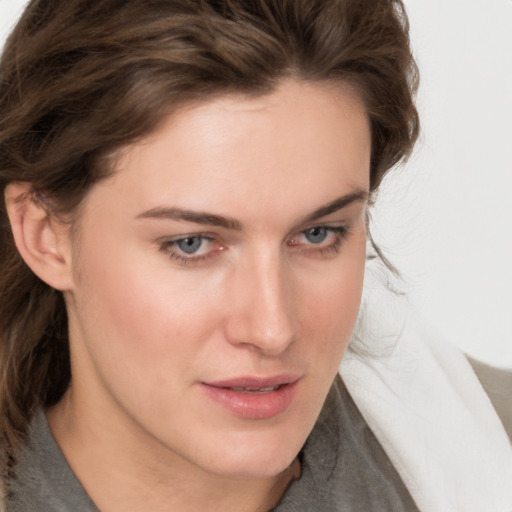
x,y
340,233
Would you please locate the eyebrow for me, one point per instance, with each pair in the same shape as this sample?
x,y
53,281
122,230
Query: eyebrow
x,y
357,196
230,223
209,219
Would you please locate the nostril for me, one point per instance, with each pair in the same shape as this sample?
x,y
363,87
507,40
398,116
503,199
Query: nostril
x,y
254,332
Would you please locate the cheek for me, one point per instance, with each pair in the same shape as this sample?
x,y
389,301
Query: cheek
x,y
136,312
331,305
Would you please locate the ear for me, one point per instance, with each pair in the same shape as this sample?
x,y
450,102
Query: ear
x,y
42,241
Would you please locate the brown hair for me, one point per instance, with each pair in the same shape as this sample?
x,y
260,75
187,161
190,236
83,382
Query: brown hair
x,y
79,79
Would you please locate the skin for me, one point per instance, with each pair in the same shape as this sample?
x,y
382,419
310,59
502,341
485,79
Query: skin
x,y
147,328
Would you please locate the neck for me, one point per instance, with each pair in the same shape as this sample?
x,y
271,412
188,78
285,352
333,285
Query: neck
x,y
120,475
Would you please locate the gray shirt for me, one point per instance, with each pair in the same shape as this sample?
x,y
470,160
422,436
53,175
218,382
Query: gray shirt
x,y
344,468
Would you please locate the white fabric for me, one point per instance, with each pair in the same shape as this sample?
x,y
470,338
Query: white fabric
x,y
427,408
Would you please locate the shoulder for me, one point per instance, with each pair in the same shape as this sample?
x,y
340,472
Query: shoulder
x,y
497,383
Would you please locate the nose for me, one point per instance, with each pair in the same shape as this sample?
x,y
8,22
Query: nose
x,y
262,313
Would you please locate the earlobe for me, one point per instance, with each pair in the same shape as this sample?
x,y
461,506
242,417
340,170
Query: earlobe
x,y
42,241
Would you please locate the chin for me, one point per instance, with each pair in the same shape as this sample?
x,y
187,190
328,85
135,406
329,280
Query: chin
x,y
254,455
256,467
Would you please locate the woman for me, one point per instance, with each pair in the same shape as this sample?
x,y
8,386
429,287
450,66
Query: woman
x,y
185,227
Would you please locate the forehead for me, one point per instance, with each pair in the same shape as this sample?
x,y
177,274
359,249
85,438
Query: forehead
x,y
301,144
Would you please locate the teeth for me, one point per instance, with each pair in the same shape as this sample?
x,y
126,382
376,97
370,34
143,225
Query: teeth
x,y
253,390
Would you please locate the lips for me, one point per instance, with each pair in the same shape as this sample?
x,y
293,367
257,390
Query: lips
x,y
254,397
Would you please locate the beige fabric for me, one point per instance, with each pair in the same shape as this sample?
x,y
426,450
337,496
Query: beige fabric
x,y
497,383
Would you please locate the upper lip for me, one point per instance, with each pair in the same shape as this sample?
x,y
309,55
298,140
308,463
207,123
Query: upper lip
x,y
255,382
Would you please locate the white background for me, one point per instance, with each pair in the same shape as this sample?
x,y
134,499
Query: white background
x,y
445,218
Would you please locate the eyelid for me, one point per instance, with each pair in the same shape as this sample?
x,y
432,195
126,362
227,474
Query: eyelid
x,y
338,227
192,234
166,241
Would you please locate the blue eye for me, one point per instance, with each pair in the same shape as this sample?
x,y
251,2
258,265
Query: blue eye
x,y
316,235
192,249
319,240
190,245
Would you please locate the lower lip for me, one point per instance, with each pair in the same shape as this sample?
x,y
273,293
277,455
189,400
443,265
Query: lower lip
x,y
253,406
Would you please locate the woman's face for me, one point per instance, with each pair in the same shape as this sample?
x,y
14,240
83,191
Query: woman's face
x,y
217,278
